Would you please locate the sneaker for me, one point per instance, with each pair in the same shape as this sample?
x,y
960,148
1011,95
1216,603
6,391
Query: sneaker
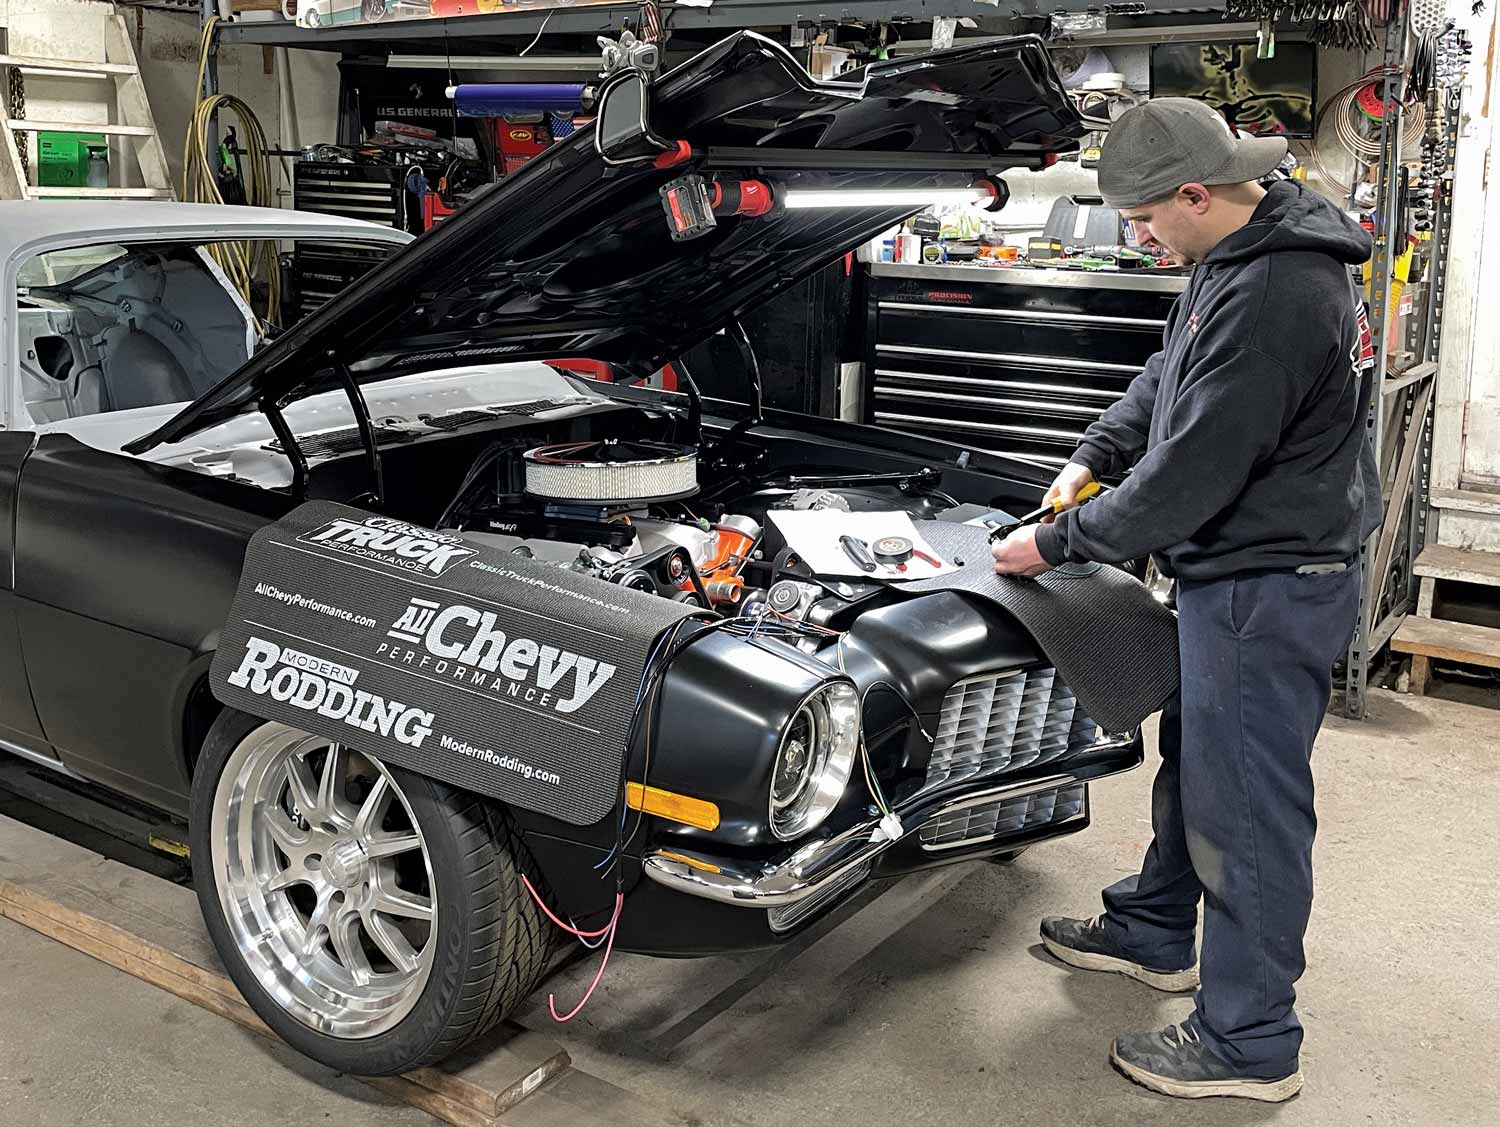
x,y
1175,1062
1086,944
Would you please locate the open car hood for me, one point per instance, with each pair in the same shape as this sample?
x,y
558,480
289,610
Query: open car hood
x,y
573,256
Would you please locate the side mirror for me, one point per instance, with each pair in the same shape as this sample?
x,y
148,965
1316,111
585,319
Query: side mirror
x,y
623,133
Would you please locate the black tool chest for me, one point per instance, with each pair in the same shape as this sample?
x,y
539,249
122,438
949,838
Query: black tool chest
x,y
372,192
1011,361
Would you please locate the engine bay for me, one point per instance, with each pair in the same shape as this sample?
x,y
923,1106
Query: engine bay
x,y
634,512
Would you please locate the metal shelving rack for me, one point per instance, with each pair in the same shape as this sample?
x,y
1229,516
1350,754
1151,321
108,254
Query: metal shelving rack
x,y
723,16
1388,587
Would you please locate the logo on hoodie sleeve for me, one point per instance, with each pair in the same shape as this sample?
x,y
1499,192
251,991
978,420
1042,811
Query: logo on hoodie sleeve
x,y
1362,355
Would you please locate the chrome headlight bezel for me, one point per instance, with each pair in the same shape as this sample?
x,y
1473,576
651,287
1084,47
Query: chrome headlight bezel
x,y
824,729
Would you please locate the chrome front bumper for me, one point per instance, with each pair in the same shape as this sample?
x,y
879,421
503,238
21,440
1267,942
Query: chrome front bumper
x,y
825,862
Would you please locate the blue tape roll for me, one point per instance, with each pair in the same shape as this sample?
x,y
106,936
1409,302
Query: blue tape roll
x,y
495,99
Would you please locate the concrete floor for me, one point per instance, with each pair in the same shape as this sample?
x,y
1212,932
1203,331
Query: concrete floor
x,y
931,1005
84,1044
942,1008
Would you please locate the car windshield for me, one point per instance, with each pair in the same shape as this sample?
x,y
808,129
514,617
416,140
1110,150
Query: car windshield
x,y
111,327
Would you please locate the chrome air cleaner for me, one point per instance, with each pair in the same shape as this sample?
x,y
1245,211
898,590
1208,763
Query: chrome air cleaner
x,y
612,472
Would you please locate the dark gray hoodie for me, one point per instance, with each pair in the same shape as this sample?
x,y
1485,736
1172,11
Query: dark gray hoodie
x,y
1247,431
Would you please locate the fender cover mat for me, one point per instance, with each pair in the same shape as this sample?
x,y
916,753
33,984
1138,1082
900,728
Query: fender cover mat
x,y
1113,643
485,670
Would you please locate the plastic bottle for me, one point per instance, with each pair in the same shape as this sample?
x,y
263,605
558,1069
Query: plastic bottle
x,y
98,167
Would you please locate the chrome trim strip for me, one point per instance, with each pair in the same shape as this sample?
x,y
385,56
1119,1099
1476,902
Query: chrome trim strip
x,y
1033,315
38,758
1015,358
1025,276
987,401
998,428
1009,385
749,885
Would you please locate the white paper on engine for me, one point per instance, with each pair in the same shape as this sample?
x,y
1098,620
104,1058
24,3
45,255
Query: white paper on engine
x,y
814,535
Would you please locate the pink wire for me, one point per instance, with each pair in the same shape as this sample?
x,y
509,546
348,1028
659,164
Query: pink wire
x,y
566,927
608,947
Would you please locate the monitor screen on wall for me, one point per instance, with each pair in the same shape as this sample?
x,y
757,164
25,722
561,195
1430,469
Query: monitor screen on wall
x,y
1261,96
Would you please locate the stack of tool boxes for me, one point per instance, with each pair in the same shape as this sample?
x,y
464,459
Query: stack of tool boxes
x,y
375,193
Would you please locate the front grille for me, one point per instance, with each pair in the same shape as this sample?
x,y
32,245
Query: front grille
x,y
1003,817
997,723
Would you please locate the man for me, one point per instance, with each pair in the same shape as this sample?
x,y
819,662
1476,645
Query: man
x,y
1253,485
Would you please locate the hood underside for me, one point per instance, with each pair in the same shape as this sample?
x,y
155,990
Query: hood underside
x,y
573,256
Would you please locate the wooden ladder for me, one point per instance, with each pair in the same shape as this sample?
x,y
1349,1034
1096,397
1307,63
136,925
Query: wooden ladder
x,y
132,111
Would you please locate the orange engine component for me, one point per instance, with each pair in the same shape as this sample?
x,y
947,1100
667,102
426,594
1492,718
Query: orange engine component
x,y
736,538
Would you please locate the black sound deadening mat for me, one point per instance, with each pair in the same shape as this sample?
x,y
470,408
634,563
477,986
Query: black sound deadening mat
x,y
1111,641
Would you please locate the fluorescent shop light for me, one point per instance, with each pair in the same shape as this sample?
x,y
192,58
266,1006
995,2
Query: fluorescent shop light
x,y
568,64
883,197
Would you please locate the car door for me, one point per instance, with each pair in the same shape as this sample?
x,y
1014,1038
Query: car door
x,y
20,730
116,573
125,572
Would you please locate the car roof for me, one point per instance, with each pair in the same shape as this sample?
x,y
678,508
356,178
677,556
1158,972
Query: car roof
x,y
29,222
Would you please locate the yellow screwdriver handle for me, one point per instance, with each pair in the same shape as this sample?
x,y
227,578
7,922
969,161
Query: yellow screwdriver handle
x,y
1083,494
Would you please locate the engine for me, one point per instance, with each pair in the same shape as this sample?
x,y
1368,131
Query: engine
x,y
630,512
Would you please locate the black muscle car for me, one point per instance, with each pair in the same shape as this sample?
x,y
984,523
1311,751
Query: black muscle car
x,y
793,736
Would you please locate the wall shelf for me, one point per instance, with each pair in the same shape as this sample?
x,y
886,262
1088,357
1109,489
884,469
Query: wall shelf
x,y
723,16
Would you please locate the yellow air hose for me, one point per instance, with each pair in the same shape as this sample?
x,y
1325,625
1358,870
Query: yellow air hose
x,y
241,262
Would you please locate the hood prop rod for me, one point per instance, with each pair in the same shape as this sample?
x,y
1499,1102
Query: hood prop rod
x,y
271,409
741,339
695,401
366,428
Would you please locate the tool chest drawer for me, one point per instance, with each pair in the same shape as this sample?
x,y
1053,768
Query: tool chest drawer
x,y
1007,361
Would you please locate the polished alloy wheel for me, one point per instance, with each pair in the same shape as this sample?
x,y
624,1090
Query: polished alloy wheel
x,y
325,881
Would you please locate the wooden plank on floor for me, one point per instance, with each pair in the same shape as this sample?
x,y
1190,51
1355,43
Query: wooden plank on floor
x,y
1450,641
1466,565
151,929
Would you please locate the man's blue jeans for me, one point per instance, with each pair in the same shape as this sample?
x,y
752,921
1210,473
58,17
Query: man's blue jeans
x,y
1232,805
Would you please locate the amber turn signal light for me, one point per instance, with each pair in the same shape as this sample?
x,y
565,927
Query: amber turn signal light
x,y
677,807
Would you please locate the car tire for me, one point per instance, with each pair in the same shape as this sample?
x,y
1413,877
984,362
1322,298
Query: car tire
x,y
403,990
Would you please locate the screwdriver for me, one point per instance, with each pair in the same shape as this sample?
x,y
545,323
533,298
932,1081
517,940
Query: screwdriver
x,y
1052,508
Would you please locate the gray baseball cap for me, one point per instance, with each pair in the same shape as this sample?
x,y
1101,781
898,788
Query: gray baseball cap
x,y
1156,148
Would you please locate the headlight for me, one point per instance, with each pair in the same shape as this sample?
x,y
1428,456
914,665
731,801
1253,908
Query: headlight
x,y
814,760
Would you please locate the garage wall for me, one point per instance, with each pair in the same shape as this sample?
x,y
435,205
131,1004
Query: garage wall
x,y
166,45
69,29
169,65
1466,430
